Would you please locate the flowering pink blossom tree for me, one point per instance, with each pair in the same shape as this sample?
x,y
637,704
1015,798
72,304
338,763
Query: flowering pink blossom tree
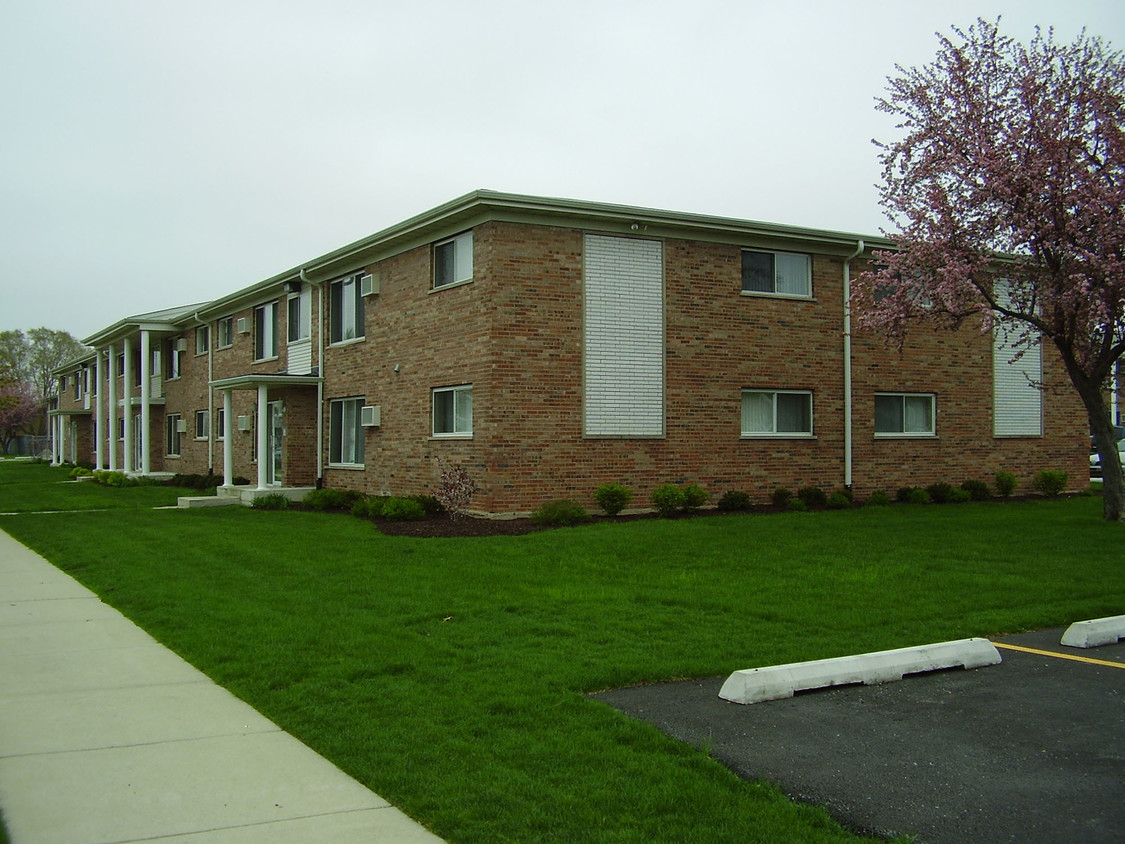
x,y
18,410
1012,166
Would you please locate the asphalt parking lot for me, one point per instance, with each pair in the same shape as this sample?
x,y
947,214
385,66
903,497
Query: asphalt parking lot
x,y
1030,750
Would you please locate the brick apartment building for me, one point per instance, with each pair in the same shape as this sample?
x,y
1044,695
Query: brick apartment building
x,y
549,346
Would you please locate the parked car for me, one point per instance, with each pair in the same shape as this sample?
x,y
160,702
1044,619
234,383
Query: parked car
x,y
1096,460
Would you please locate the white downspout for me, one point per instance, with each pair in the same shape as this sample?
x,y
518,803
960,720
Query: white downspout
x,y
848,362
210,391
320,371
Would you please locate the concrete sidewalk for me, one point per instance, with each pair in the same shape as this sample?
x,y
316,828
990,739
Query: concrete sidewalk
x,y
107,736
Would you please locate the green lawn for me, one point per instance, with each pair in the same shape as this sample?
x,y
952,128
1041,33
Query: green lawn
x,y
450,675
27,487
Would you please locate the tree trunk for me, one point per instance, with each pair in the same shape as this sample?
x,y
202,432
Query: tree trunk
x,y
1113,479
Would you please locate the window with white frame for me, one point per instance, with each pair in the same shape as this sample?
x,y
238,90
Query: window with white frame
x,y
453,260
265,331
453,411
299,316
202,339
783,413
220,426
173,359
345,434
202,424
226,332
346,306
904,414
172,435
780,273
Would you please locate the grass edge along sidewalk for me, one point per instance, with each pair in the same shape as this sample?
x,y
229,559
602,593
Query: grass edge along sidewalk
x,y
449,675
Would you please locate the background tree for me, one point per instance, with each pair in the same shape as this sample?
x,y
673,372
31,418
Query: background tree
x,y
1012,166
19,411
31,358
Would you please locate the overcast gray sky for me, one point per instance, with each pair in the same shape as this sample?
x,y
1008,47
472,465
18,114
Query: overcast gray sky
x,y
156,153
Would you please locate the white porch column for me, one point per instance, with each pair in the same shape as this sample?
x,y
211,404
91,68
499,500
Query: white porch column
x,y
56,445
263,431
127,409
228,440
99,396
146,411
111,406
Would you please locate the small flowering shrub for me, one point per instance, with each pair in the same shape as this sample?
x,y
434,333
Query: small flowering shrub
x,y
456,489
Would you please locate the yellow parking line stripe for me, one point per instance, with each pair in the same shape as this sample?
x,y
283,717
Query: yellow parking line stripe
x,y
1061,656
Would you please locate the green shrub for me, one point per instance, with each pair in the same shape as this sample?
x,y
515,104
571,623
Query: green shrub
x,y
561,513
780,497
978,490
113,479
374,505
939,493
80,472
200,482
613,498
695,496
273,501
903,494
429,503
960,496
1050,482
839,501
239,480
332,499
918,496
734,500
877,499
797,505
813,496
667,499
402,510
1005,483
360,507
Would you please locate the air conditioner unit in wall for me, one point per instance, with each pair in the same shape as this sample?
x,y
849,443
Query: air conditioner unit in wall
x,y
242,325
369,284
244,423
371,416
180,345
181,426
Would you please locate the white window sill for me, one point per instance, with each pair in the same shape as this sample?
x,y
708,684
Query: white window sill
x,y
353,466
451,437
351,341
906,436
227,346
265,360
200,439
797,297
782,436
452,284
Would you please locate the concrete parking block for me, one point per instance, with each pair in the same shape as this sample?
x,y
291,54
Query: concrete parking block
x,y
755,685
1094,633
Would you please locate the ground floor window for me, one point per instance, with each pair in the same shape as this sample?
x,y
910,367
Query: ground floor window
x,y
453,411
904,414
776,413
172,428
345,434
202,424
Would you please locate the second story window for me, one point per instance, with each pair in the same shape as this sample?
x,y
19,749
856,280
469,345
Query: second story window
x,y
453,260
346,306
226,332
780,273
265,331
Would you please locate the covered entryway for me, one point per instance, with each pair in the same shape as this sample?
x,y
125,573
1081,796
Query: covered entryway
x,y
287,439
